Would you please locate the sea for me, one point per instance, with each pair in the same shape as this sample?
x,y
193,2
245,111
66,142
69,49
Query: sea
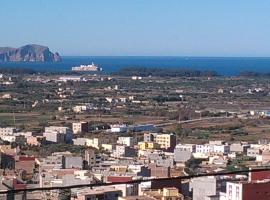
x,y
226,66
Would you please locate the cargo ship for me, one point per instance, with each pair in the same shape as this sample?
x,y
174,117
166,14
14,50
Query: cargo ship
x,y
87,68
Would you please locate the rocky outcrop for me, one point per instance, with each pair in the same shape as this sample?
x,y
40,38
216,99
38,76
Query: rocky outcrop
x,y
28,53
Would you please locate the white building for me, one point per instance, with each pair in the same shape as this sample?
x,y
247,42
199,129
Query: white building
x,y
80,141
128,141
203,187
186,147
67,132
54,136
234,191
205,148
93,143
123,151
25,134
8,138
136,78
5,96
123,99
108,147
212,149
119,128
70,78
11,134
7,131
263,147
216,142
82,108
136,128
222,149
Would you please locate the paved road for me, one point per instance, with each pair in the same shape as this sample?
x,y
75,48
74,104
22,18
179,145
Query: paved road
x,y
191,120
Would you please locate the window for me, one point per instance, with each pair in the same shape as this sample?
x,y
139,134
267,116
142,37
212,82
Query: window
x,y
230,191
237,193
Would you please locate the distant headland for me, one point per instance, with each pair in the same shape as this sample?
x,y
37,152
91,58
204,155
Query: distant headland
x,y
28,53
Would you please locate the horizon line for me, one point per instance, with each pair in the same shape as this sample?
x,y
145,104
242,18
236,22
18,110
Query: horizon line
x,y
168,56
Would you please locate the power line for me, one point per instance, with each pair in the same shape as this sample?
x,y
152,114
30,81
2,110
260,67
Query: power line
x,y
132,182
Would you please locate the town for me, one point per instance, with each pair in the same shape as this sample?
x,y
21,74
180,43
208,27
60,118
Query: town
x,y
132,137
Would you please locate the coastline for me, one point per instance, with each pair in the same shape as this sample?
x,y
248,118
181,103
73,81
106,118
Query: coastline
x,y
225,66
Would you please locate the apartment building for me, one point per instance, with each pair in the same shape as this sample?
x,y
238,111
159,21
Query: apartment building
x,y
166,141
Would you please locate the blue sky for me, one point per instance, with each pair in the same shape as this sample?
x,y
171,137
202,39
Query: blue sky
x,y
139,27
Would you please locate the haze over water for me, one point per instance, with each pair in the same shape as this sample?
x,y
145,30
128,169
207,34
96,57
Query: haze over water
x,y
223,66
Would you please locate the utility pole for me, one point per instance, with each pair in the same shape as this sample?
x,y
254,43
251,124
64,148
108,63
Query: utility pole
x,y
14,119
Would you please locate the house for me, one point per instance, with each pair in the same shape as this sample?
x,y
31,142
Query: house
x,y
65,177
149,137
101,192
69,78
93,159
264,157
13,138
108,147
82,108
259,176
245,190
35,141
70,161
148,145
7,131
5,96
95,142
239,147
57,161
217,160
79,141
167,193
9,150
159,172
119,179
253,152
25,163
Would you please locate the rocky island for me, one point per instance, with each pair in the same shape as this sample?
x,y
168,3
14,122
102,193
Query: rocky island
x,y
28,53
